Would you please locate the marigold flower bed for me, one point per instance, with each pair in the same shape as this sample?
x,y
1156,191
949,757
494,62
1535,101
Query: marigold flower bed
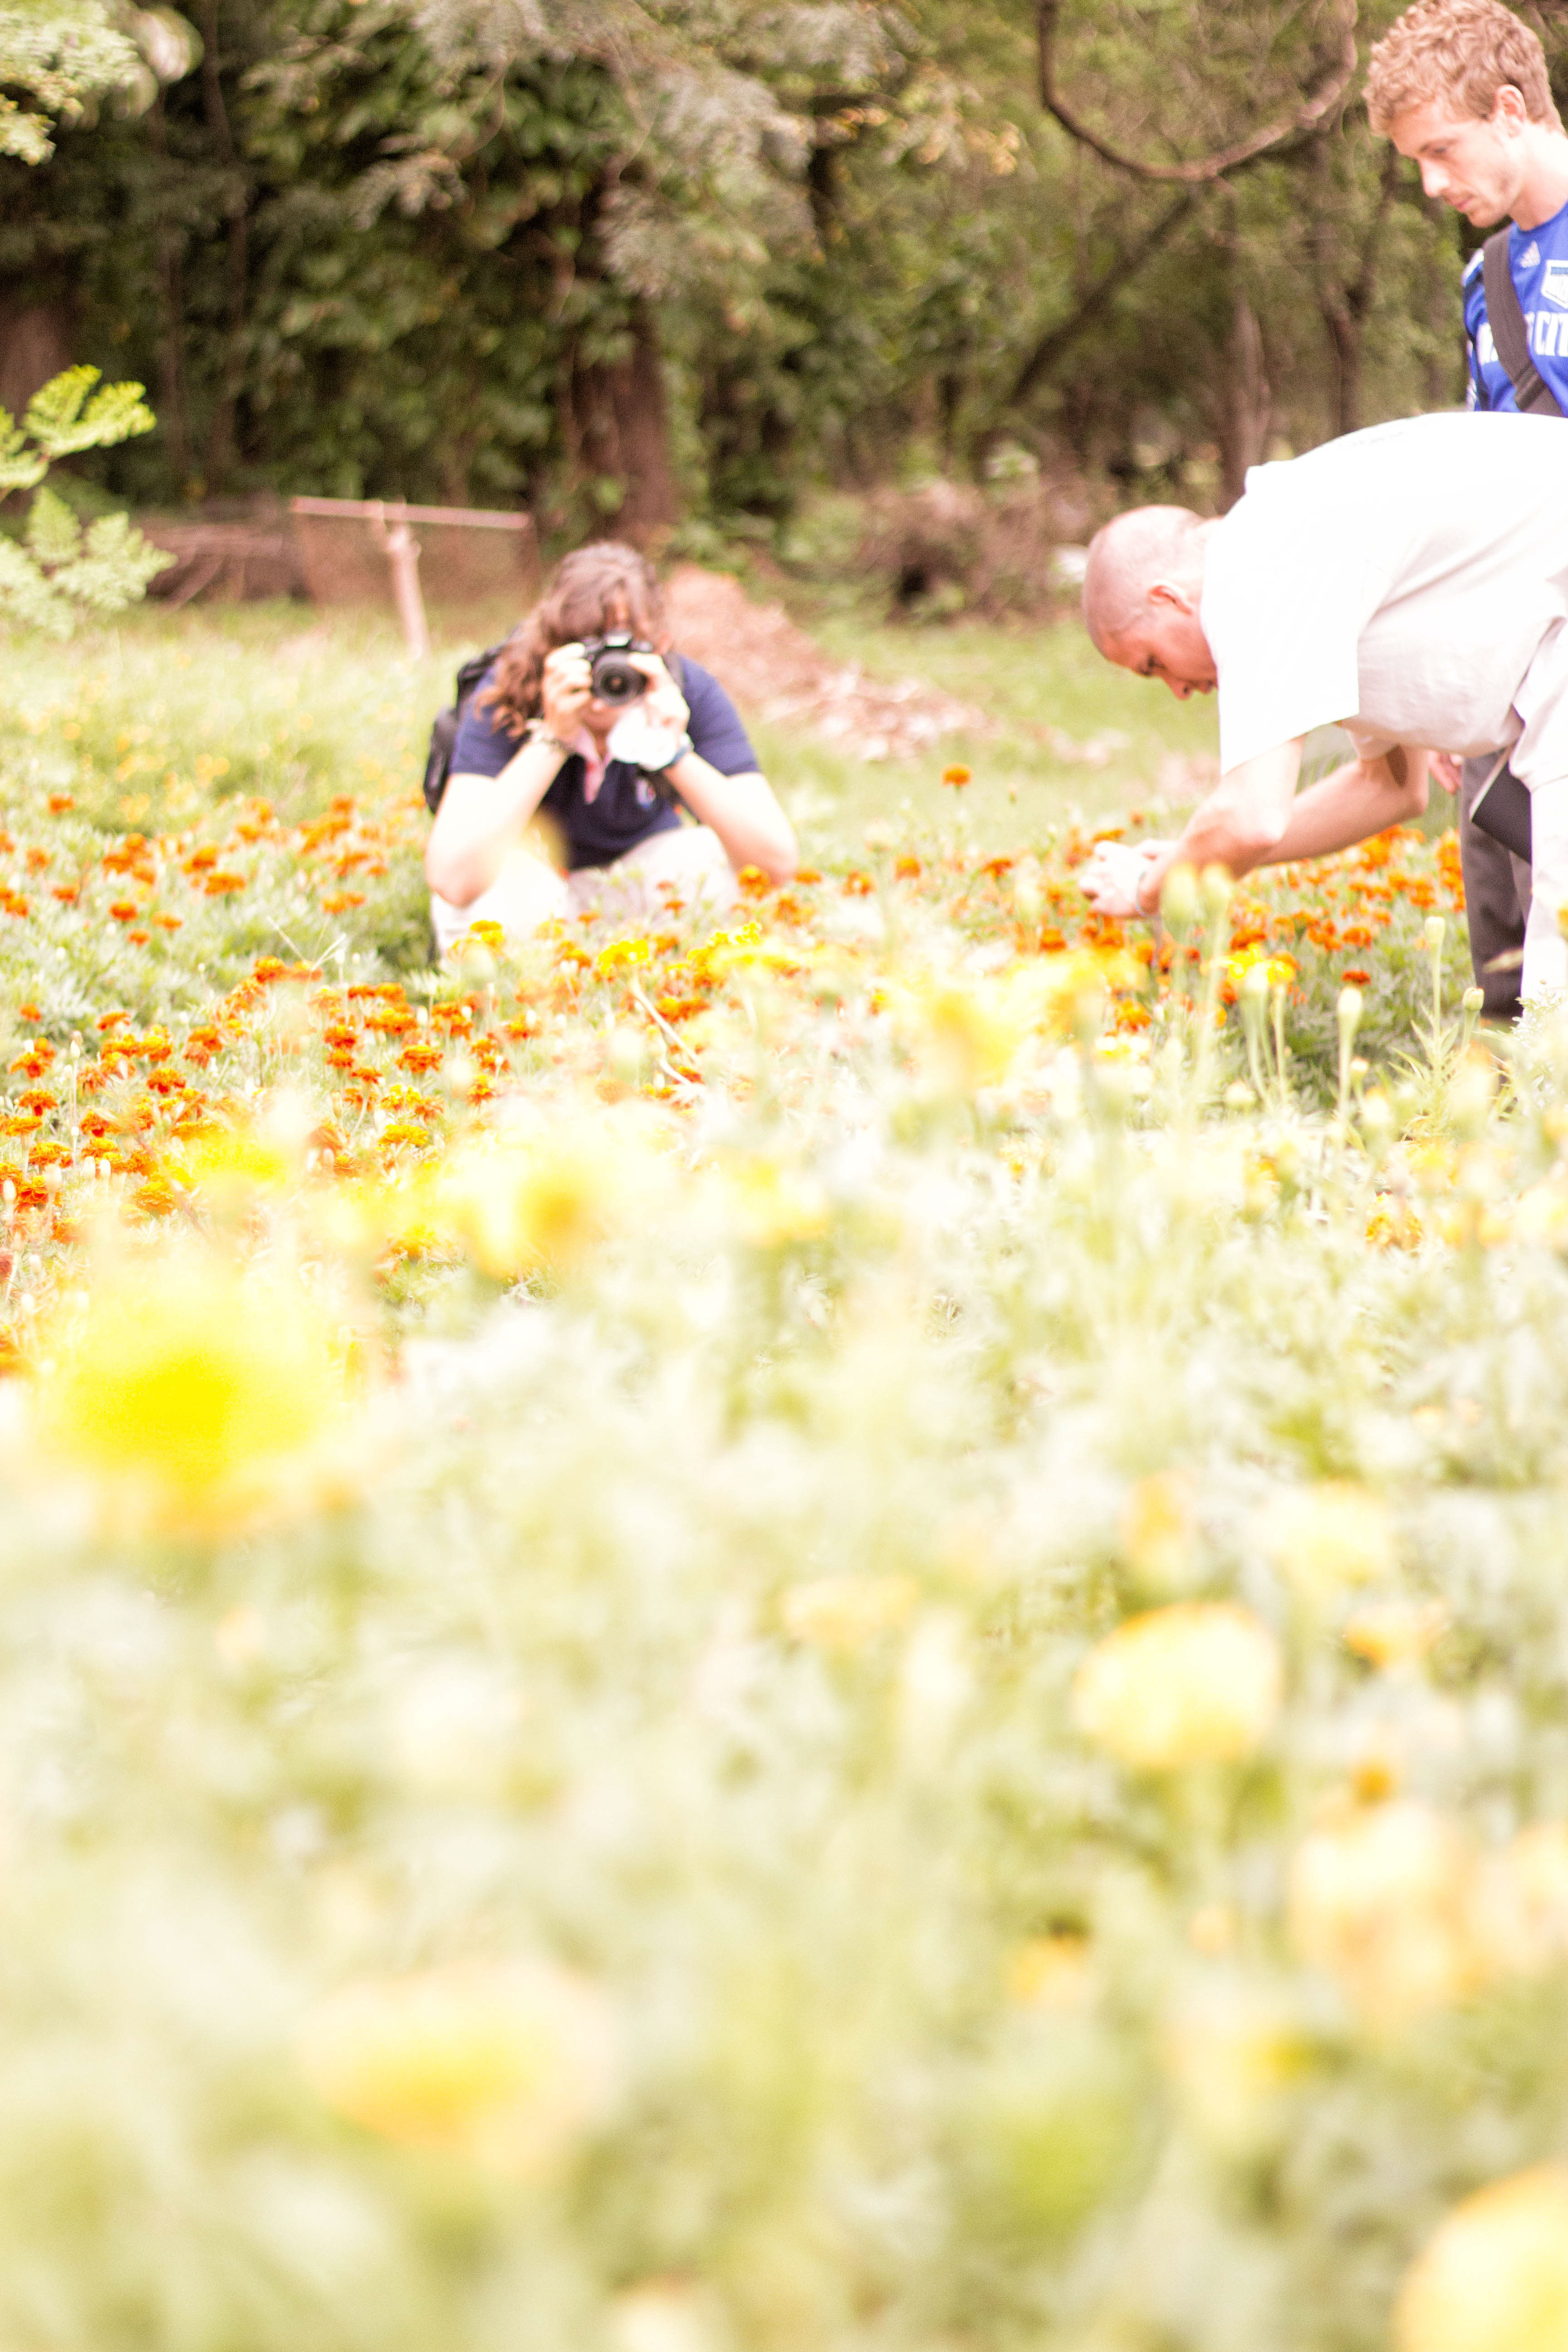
x,y
842,1627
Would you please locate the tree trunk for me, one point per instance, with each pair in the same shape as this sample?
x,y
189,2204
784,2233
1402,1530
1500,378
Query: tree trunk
x,y
618,431
35,344
221,453
1245,404
1344,307
173,414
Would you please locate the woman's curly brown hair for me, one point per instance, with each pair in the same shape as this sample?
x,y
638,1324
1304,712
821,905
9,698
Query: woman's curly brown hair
x,y
598,588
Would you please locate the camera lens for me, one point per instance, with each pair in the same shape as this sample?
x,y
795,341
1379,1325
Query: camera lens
x,y
616,679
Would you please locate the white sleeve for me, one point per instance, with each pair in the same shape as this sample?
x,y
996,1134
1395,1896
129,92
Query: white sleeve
x,y
1281,612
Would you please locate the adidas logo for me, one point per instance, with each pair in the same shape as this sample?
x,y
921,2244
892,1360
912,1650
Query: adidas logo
x,y
1531,258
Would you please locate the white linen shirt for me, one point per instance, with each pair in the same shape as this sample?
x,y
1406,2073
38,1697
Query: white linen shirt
x,y
1409,582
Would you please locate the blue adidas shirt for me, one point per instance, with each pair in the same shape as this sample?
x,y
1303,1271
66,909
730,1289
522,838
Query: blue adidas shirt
x,y
1539,259
625,809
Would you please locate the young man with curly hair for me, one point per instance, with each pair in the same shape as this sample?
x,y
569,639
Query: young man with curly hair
x,y
1461,87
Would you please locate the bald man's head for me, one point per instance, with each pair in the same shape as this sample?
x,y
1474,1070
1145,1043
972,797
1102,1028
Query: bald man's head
x,y
1150,547
1143,595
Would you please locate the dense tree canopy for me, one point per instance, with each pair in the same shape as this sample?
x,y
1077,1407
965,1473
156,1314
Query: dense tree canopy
x,y
639,259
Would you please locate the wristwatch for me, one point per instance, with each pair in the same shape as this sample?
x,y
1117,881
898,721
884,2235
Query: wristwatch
x,y
538,732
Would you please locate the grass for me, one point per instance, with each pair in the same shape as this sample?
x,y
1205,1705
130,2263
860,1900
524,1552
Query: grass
x,y
292,705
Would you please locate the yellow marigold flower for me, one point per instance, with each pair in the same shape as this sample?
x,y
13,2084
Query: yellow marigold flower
x,y
1395,1633
1325,1537
1382,1901
1521,1913
773,1205
1159,1528
845,1612
1052,1972
519,1204
1494,2278
190,1389
620,955
1229,2050
1195,1684
505,2062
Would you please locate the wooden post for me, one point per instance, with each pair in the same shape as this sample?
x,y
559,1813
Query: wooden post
x,y
403,562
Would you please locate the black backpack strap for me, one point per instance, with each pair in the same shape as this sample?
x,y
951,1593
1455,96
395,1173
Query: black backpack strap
x,y
1509,333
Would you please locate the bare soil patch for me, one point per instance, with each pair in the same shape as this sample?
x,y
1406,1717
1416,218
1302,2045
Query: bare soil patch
x,y
774,668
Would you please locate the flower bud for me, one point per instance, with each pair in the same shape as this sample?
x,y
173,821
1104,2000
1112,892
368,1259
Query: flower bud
x,y
1217,884
1349,1010
1179,899
1436,928
1472,1000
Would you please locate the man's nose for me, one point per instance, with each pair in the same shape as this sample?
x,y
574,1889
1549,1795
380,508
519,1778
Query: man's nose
x,y
1434,179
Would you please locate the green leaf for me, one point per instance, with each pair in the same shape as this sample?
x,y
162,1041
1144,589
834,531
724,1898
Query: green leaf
x,y
62,419
27,596
54,534
114,569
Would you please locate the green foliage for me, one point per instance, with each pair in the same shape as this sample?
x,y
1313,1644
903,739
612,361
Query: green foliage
x,y
56,572
58,53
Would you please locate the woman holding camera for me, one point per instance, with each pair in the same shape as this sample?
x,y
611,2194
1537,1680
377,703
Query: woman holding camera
x,y
600,772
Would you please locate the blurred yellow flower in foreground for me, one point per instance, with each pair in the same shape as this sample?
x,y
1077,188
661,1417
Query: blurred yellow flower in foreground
x,y
1195,1684
773,1205
515,1203
1326,1537
505,2062
1395,1633
1522,1914
192,1390
1494,2278
845,1612
1382,1902
1159,1528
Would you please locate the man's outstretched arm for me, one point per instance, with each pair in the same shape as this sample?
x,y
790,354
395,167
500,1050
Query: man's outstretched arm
x,y
1253,817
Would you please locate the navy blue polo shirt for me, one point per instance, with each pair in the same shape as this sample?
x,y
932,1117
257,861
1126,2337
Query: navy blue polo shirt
x,y
625,809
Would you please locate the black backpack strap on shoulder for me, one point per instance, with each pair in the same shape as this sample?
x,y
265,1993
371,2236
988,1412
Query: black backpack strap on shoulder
x,y
1506,319
444,733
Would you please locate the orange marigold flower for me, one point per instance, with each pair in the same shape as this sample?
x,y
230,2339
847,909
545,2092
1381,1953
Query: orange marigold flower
x,y
419,1057
59,803
138,939
859,886
753,881
807,874
168,922
220,886
906,868
957,776
124,911
1354,977
29,1013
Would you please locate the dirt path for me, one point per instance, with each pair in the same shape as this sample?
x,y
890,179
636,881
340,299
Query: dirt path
x,y
773,669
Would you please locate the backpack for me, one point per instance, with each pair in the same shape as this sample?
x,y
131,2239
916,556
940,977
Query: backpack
x,y
467,684
444,732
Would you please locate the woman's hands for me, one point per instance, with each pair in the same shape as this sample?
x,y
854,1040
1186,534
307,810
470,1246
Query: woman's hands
x,y
565,692
664,703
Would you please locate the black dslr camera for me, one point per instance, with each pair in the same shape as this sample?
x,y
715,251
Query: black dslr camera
x,y
617,681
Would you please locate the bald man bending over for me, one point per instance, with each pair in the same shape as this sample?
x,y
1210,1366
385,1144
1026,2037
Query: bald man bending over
x,y
1409,582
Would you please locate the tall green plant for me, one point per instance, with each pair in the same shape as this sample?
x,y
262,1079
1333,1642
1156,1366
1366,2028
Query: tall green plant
x,y
57,572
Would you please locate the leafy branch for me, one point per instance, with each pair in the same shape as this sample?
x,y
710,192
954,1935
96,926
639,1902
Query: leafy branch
x,y
55,571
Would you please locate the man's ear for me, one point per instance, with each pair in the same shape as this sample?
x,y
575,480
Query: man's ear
x,y
1509,113
1165,592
